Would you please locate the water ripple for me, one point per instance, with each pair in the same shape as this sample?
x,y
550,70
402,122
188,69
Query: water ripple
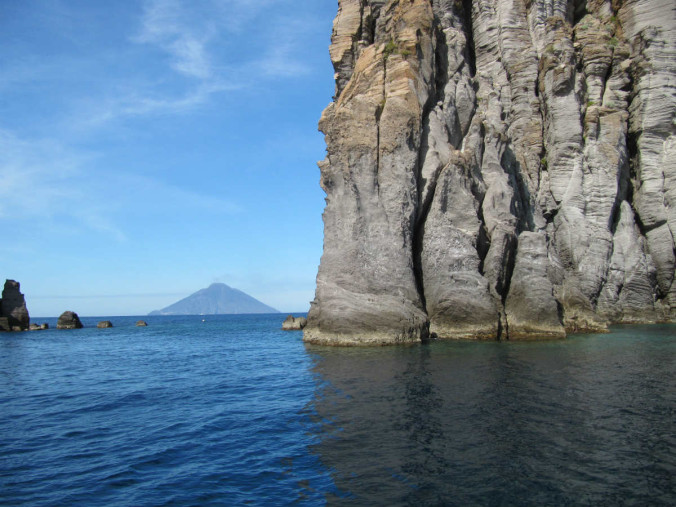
x,y
234,411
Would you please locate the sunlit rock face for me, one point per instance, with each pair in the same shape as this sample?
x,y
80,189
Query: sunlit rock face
x,y
497,169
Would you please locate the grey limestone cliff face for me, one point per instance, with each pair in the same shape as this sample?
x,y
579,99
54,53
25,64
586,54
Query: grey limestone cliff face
x,y
497,169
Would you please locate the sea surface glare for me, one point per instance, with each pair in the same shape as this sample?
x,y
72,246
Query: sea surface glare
x,y
234,411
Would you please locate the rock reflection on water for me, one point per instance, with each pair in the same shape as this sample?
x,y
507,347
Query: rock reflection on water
x,y
586,421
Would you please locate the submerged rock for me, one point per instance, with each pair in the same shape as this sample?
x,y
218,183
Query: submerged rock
x,y
292,323
497,170
104,324
69,320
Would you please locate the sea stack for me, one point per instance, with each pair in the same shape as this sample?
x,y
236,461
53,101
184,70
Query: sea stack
x,y
13,310
497,170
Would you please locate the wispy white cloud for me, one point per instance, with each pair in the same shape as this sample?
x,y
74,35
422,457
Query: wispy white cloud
x,y
239,15
41,179
282,57
167,196
45,182
32,174
136,103
188,32
193,36
165,24
46,175
279,62
210,47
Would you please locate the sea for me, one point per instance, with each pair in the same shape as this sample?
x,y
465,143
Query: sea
x,y
231,410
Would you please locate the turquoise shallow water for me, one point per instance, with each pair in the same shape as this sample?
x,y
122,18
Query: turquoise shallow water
x,y
234,411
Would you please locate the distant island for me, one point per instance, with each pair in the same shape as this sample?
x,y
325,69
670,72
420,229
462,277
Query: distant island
x,y
218,298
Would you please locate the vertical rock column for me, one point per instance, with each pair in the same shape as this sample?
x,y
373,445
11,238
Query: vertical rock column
x,y
367,292
650,25
13,307
452,236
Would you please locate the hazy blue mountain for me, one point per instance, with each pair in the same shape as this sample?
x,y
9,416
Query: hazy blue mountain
x,y
218,298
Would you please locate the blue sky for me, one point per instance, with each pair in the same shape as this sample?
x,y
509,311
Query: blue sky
x,y
150,148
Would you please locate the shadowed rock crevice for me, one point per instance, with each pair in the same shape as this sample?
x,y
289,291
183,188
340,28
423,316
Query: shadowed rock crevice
x,y
497,169
467,22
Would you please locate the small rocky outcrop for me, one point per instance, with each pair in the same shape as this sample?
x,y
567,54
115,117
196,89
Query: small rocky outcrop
x,y
292,323
69,320
141,323
497,169
104,324
13,311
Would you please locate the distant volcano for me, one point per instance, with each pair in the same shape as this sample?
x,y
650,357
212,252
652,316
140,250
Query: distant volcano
x,y
218,298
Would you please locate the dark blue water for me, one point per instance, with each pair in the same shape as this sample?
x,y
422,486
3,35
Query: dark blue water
x,y
234,411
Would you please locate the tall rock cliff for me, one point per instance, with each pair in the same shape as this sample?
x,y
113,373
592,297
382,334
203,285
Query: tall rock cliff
x,y
497,169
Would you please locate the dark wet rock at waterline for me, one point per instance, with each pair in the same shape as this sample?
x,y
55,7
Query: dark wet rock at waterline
x,y
69,320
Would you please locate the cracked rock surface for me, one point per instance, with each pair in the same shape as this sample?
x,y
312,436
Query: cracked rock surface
x,y
497,169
